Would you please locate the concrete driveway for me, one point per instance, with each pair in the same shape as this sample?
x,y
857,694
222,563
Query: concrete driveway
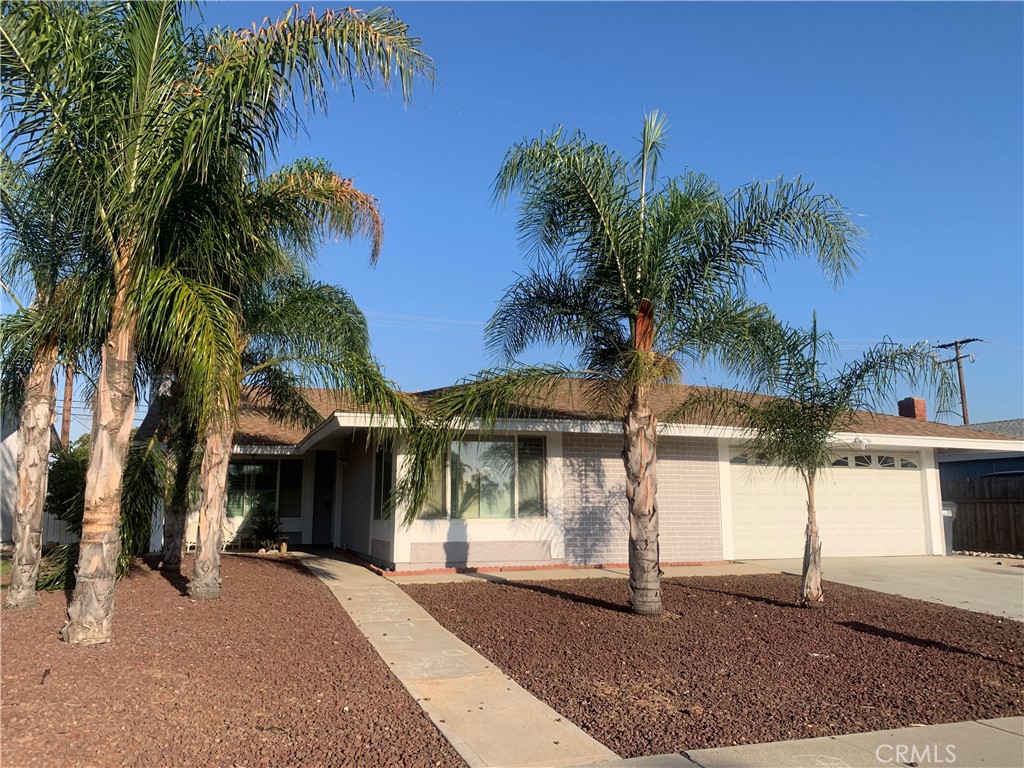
x,y
974,583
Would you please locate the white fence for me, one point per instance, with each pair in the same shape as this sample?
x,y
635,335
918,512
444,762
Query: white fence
x,y
55,533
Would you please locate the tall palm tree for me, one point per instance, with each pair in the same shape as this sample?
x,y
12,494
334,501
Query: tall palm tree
x,y
293,332
129,98
797,408
639,274
42,241
299,333
284,217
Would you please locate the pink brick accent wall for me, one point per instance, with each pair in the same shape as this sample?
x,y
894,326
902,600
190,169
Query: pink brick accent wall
x,y
596,529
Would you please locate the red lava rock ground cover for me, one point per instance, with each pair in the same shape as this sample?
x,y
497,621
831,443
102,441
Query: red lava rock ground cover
x,y
273,674
734,661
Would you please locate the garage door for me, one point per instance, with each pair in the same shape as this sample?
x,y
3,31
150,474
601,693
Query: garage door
x,y
868,504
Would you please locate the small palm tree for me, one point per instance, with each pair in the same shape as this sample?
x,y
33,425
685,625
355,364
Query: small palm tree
x,y
797,424
639,275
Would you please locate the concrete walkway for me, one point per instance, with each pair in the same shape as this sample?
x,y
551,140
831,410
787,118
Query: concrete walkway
x,y
998,743
974,583
494,723
487,717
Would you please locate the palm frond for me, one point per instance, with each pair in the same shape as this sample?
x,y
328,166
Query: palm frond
x,y
787,218
311,199
548,307
800,403
193,328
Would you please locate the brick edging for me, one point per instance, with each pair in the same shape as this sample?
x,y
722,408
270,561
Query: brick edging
x,y
510,568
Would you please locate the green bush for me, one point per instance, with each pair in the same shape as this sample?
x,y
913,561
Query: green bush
x,y
145,481
262,525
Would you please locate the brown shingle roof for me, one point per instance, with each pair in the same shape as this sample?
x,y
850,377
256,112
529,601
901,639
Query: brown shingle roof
x,y
567,400
257,427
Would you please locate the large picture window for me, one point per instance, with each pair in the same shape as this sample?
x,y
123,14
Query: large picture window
x,y
490,478
267,483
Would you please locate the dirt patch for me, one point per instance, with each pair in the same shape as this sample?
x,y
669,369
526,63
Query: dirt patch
x,y
734,661
273,674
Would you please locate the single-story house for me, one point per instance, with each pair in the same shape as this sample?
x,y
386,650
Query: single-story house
x,y
549,489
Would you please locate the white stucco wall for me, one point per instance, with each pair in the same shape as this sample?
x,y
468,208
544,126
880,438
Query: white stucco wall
x,y
8,476
689,508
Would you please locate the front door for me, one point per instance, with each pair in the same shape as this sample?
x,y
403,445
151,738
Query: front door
x,y
323,498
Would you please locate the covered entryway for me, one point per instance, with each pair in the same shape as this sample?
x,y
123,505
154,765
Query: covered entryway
x,y
868,504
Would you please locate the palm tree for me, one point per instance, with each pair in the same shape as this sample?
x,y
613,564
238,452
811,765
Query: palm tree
x,y
129,99
639,275
299,333
797,425
42,242
293,332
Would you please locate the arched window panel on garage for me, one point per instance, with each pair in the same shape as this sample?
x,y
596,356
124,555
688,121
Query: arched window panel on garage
x,y
877,461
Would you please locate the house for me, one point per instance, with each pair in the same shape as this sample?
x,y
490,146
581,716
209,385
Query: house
x,y
8,473
960,466
548,488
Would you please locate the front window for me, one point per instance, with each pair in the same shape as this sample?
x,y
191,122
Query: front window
x,y
483,477
270,484
490,478
251,485
383,483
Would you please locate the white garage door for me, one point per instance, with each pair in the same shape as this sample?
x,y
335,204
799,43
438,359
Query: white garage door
x,y
869,504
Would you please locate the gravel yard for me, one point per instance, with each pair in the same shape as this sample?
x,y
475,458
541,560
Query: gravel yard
x,y
734,661
273,674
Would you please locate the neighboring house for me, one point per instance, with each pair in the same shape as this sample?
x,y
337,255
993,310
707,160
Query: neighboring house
x,y
962,466
54,531
549,489
8,473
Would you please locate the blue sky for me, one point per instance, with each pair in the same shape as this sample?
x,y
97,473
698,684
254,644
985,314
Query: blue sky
x,y
911,114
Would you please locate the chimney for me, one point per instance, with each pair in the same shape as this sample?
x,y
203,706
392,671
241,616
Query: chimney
x,y
913,408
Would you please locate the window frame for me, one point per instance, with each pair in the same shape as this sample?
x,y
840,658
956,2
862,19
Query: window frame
x,y
378,499
899,459
446,481
276,461
845,459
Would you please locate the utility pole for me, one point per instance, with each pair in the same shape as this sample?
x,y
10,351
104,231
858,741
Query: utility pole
x,y
65,422
959,360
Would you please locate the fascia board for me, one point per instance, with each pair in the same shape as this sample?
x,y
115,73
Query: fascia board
x,y
340,420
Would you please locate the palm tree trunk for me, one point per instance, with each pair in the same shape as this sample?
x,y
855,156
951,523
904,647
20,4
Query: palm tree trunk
x,y
640,458
91,612
33,467
206,581
181,441
177,511
810,589
65,417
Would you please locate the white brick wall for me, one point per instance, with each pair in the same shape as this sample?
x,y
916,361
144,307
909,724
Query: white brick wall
x,y
596,529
